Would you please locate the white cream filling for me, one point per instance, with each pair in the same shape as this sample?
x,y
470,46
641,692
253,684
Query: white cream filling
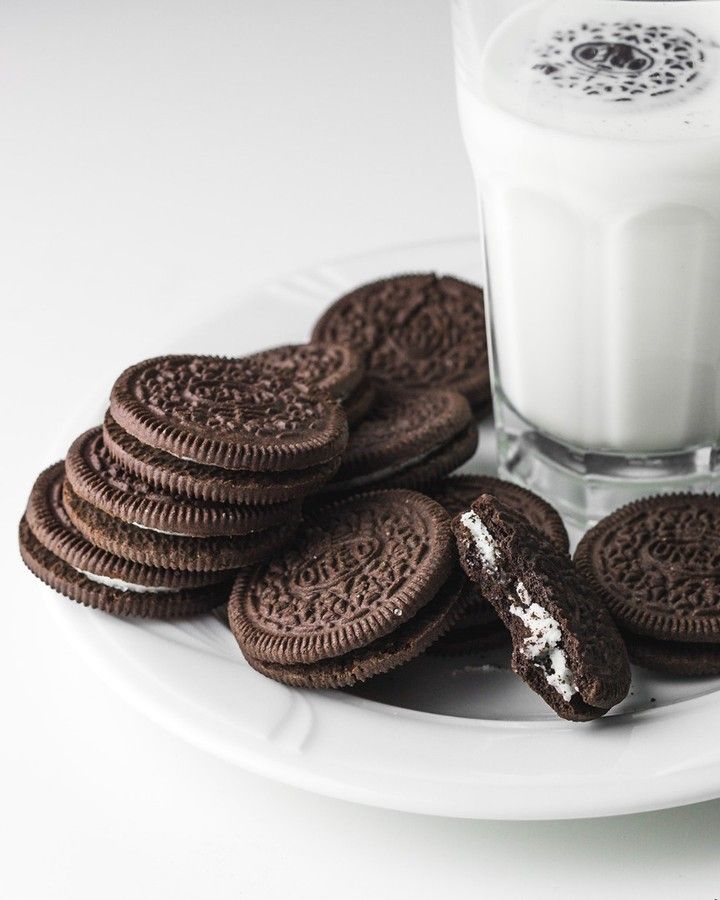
x,y
120,585
158,531
542,644
483,540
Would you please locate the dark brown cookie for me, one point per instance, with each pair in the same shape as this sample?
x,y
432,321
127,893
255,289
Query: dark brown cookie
x,y
118,599
399,436
171,551
389,652
478,628
418,331
676,658
358,570
336,369
96,477
49,522
211,484
457,493
233,413
656,564
360,402
565,644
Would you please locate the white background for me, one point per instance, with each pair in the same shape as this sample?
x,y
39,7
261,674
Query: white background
x,y
156,160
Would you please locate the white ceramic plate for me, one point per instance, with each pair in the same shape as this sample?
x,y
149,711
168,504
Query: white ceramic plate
x,y
459,737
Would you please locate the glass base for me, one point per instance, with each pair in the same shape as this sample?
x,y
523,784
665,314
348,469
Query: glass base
x,y
585,486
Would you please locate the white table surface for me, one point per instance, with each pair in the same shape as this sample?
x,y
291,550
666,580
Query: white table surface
x,y
158,159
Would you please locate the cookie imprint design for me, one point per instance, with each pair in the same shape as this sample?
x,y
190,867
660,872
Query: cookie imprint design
x,y
622,61
417,330
667,556
226,396
326,580
333,368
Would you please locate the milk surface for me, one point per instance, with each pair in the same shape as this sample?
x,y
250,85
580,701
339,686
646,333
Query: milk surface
x,y
593,127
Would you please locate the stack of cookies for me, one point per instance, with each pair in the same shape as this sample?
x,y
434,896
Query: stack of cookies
x,y
199,470
656,565
423,341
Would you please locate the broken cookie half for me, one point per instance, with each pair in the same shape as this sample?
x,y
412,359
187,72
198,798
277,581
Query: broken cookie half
x,y
566,647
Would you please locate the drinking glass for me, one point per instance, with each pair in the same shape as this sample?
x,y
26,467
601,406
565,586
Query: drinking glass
x,y
593,130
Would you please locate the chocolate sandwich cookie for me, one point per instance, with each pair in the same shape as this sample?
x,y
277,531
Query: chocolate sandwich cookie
x,y
400,646
212,484
676,658
656,565
366,584
153,547
565,644
418,331
104,483
408,440
336,369
457,492
232,413
56,552
479,628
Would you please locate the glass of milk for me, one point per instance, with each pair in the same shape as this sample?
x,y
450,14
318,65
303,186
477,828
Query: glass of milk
x,y
593,129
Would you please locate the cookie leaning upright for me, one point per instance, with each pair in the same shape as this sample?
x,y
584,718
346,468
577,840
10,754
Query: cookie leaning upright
x,y
200,470
565,644
367,584
417,331
479,628
656,564
230,413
